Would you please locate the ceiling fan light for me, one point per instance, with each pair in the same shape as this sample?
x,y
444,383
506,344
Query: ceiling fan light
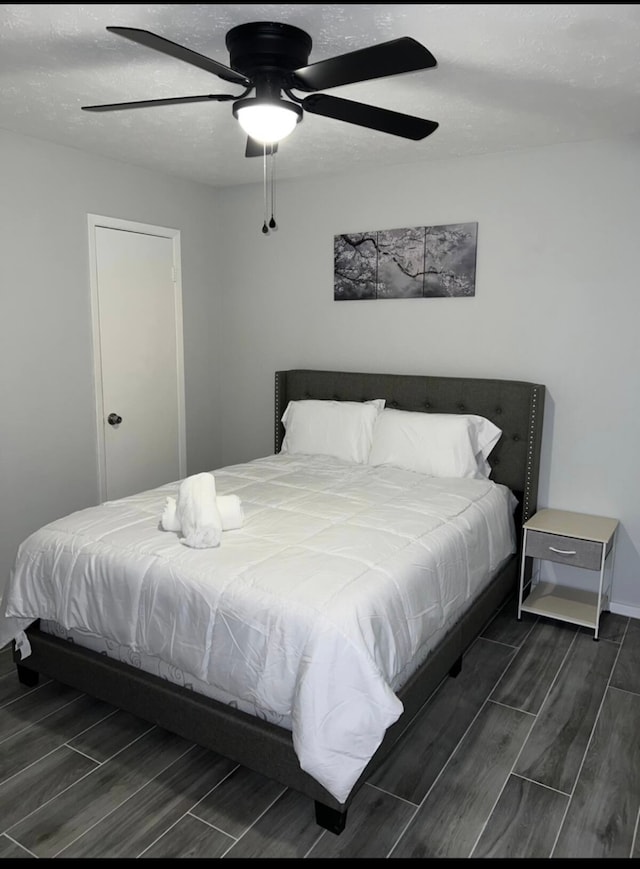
x,y
267,122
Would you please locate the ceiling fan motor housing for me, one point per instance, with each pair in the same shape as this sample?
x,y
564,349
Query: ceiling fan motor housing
x,y
268,48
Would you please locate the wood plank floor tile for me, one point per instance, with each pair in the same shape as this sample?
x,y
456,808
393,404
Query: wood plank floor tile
x,y
10,851
505,627
286,830
39,783
7,664
554,751
423,751
110,735
604,807
190,837
11,689
524,822
27,705
235,804
58,823
527,680
627,672
374,821
20,750
142,819
452,817
612,627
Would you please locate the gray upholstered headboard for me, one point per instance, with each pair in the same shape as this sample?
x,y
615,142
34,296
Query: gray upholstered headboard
x,y
515,406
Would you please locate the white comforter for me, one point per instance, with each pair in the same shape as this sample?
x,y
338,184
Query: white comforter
x,y
314,612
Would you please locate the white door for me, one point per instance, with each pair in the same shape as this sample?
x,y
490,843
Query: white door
x,y
138,356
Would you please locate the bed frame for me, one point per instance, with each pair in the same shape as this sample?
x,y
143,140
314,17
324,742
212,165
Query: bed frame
x,y
514,406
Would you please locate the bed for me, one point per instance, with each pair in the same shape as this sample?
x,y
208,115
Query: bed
x,y
256,727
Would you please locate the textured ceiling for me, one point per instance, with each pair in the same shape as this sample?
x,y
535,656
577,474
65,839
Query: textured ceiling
x,y
508,77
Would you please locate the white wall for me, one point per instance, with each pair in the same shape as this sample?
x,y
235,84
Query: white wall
x,y
48,454
556,302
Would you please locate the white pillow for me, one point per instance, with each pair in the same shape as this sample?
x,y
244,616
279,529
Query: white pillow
x,y
343,429
438,444
485,436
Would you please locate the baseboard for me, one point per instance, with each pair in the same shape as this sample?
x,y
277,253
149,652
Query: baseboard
x,y
633,612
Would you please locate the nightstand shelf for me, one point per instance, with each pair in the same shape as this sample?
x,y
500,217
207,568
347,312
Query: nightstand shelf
x,y
574,539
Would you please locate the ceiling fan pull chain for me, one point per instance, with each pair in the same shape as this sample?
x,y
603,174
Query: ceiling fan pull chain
x,y
272,222
265,228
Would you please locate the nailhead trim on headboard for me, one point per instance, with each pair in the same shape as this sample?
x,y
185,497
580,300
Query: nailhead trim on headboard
x,y
530,452
277,414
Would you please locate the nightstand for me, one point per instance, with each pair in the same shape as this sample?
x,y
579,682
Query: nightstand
x,y
575,539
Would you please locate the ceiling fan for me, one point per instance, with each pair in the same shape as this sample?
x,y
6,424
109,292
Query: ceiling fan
x,y
272,59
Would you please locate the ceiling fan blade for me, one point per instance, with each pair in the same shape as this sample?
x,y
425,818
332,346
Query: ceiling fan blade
x,y
256,149
159,43
387,58
168,101
372,117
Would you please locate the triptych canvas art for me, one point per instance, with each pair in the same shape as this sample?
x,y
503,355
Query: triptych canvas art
x,y
415,262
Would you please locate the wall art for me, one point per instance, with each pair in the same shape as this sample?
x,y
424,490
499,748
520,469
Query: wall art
x,y
423,262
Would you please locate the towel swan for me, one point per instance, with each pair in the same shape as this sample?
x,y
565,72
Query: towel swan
x,y
199,514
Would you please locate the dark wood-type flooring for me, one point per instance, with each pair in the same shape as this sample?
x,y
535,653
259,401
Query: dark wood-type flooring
x,y
532,751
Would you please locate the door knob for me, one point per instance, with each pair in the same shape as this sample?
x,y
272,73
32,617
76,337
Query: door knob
x,y
114,419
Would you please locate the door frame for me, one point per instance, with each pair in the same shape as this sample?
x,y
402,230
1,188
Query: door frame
x,y
95,221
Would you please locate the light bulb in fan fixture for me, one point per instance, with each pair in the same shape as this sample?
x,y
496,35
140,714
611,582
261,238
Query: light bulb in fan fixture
x,y
267,121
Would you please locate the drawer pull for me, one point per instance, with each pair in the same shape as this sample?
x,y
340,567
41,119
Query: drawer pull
x,y
563,551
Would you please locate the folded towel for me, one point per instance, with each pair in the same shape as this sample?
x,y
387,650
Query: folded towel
x,y
229,508
231,512
197,512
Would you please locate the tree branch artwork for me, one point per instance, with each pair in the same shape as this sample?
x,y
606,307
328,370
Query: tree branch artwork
x,y
412,263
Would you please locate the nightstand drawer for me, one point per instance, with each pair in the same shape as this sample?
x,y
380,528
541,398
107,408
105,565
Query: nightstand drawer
x,y
564,550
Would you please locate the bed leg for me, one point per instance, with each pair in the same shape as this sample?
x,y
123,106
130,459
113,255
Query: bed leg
x,y
457,667
27,677
331,819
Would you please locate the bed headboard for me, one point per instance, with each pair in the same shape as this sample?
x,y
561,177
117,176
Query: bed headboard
x,y
515,406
